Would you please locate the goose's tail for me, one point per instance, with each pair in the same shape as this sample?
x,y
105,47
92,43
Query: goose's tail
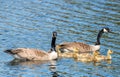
x,y
8,51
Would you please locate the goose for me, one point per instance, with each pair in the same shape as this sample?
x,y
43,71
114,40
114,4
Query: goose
x,y
99,57
82,47
34,54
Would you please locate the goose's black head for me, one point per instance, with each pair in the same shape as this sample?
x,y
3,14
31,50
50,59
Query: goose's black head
x,y
106,29
54,34
103,30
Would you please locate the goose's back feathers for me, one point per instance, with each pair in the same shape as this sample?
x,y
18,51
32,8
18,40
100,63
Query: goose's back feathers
x,y
81,47
29,54
28,51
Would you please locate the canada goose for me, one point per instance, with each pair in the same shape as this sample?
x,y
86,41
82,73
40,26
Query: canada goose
x,y
34,54
82,47
99,57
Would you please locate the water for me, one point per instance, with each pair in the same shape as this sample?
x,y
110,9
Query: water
x,y
30,24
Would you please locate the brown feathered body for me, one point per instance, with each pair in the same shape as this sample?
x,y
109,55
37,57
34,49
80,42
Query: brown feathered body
x,y
32,54
81,47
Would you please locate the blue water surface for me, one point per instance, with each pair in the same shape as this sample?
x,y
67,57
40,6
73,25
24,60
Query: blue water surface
x,y
30,23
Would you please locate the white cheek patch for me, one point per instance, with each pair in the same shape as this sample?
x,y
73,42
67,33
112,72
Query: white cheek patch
x,y
105,30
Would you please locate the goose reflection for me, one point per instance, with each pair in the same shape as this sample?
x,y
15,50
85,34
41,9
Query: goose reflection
x,y
51,65
53,69
27,63
94,62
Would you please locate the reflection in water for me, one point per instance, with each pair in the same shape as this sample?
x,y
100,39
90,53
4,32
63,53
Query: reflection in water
x,y
26,63
52,65
93,62
52,68
99,63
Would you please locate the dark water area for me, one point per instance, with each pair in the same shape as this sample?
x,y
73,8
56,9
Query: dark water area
x,y
30,23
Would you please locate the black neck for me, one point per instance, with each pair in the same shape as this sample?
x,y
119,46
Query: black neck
x,y
98,37
53,43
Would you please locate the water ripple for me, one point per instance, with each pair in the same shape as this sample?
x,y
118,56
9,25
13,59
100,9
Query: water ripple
x,y
30,24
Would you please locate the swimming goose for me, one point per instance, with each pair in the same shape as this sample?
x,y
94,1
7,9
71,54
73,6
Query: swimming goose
x,y
34,54
99,57
82,47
